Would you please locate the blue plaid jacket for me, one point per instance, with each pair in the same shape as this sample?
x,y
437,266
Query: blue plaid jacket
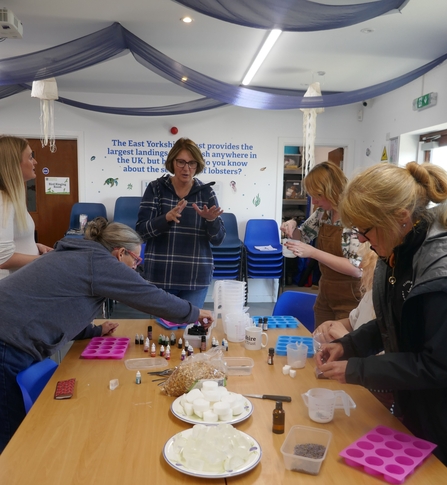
x,y
178,256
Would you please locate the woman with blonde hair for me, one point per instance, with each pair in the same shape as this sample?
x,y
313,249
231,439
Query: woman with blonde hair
x,y
17,244
389,206
363,313
337,247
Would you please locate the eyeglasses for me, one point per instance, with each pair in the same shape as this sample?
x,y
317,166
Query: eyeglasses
x,y
192,165
364,233
136,259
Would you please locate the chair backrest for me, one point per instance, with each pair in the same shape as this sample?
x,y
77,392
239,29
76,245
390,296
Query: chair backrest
x,y
32,380
126,210
92,209
262,232
298,304
232,234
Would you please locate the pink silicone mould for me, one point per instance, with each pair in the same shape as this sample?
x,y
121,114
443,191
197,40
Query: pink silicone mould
x,y
106,348
387,452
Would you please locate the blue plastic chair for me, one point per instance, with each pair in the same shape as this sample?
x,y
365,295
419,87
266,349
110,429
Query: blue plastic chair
x,y
298,304
92,209
32,380
231,241
126,210
262,232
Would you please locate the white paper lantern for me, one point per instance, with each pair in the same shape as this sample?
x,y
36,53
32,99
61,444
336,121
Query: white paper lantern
x,y
46,91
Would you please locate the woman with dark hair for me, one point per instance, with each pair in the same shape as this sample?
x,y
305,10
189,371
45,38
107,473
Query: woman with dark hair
x,y
389,206
337,247
50,300
178,219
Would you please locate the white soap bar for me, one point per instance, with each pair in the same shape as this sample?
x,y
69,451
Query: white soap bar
x,y
286,369
193,395
221,408
210,416
113,384
292,373
209,385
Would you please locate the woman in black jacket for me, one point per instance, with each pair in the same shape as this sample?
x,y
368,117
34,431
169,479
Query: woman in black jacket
x,y
389,207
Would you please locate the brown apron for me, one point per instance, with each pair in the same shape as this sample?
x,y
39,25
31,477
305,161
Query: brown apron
x,y
338,293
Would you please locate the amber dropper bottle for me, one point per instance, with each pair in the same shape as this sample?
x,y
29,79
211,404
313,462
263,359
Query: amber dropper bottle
x,y
278,418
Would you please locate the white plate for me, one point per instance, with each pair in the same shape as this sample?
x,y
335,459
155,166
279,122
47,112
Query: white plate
x,y
250,464
194,419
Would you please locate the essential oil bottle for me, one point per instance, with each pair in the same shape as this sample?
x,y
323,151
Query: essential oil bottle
x,y
278,418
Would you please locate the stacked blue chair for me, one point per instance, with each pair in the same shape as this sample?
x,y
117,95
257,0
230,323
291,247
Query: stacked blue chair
x,y
91,209
298,304
261,263
228,256
126,210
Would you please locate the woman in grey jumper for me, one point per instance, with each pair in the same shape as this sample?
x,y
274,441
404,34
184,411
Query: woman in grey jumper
x,y
48,302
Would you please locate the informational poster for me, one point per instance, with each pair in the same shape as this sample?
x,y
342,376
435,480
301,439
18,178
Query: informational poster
x,y
57,185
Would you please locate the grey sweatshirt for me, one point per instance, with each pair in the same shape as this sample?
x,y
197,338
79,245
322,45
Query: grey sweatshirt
x,y
49,301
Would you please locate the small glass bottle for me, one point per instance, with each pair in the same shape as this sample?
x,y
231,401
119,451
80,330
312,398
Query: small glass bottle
x,y
180,343
168,352
153,350
265,324
138,377
162,350
183,355
271,355
203,344
137,339
147,344
149,332
260,322
173,340
141,339
278,418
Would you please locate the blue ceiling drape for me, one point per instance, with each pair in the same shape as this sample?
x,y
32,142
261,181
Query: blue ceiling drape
x,y
292,15
17,73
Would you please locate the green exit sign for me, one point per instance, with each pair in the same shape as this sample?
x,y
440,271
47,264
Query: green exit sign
x,y
425,101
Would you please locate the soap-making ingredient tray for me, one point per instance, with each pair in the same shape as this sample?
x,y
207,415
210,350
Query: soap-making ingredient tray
x,y
280,321
106,348
388,453
283,340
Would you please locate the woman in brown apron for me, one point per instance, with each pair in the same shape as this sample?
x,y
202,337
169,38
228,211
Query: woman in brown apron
x,y
337,247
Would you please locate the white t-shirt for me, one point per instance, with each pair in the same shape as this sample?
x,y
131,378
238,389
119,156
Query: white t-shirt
x,y
363,313
12,239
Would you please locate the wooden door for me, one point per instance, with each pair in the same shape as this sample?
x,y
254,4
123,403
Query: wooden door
x,y
336,156
51,212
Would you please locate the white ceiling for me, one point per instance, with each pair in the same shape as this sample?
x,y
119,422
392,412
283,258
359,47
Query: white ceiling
x,y
350,59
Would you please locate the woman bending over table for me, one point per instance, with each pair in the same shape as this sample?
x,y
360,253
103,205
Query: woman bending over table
x,y
337,247
48,302
389,207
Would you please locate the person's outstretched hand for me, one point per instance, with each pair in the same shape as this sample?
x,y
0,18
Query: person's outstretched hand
x,y
174,214
108,328
208,214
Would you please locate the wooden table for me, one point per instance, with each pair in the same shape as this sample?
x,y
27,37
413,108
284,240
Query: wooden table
x,y
116,437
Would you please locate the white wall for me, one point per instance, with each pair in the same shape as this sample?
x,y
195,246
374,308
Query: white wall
x,y
258,191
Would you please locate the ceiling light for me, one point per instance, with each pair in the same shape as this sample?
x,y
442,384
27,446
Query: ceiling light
x,y
184,79
262,54
186,20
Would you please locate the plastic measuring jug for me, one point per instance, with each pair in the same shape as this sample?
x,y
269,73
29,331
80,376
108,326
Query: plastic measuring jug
x,y
321,404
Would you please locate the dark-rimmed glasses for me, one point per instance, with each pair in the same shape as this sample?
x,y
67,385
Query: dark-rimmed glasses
x,y
136,259
192,165
364,233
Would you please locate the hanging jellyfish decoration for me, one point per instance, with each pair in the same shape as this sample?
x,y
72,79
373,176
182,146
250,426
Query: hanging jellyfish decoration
x,y
46,91
310,129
